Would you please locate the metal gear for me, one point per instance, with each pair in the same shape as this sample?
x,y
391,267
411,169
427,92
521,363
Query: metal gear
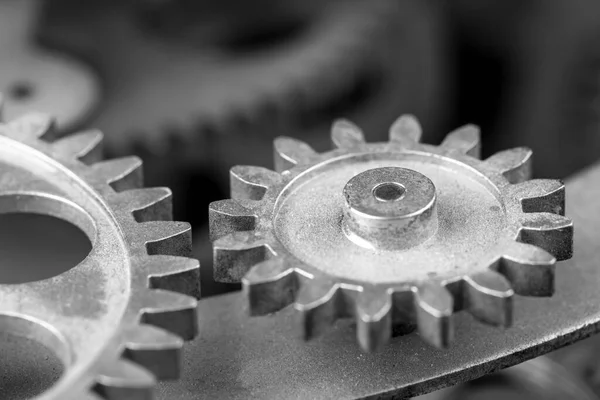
x,y
114,319
33,78
208,86
390,232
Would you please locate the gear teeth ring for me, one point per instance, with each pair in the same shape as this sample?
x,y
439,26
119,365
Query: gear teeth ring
x,y
311,234
119,318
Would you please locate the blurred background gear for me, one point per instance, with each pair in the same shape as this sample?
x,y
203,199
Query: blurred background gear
x,y
389,232
36,78
194,102
116,319
528,73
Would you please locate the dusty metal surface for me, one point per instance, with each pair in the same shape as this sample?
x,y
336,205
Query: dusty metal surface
x,y
37,79
391,232
238,357
114,320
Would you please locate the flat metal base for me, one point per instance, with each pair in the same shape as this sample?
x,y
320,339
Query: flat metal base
x,y
239,357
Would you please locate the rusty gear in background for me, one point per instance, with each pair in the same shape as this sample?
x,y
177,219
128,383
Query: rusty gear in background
x,y
117,319
36,78
391,232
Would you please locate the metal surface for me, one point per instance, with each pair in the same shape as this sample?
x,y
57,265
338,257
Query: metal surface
x,y
238,357
393,232
114,319
540,378
37,79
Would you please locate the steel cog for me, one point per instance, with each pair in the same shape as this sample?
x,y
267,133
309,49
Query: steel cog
x,y
206,86
391,232
115,319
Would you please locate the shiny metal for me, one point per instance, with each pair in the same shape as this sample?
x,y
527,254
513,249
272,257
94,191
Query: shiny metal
x,y
114,319
237,357
34,78
464,234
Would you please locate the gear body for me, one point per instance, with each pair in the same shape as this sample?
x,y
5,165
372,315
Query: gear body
x,y
118,319
391,232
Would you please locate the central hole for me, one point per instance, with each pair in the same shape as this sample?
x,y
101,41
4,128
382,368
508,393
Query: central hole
x,y
389,191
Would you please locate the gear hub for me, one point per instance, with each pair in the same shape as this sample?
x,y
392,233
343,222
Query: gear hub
x,y
394,232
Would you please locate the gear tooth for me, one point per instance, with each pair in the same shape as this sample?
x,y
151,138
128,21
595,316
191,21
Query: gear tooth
x,y
149,204
84,146
32,125
227,216
319,305
346,135
124,379
488,297
121,173
251,182
541,195
236,253
529,269
406,131
177,274
288,152
373,319
551,232
466,139
155,349
171,311
270,286
514,164
170,238
434,306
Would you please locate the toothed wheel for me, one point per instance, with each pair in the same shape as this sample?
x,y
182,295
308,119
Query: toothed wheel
x,y
391,232
116,319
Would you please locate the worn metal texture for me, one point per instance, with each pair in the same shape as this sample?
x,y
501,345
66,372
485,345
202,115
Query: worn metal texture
x,y
392,232
33,78
237,357
115,319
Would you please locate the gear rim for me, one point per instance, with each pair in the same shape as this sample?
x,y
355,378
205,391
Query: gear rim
x,y
248,248
157,311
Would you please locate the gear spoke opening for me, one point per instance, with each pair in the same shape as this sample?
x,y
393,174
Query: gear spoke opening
x,y
36,245
33,358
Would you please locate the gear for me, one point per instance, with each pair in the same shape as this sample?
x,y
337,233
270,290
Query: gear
x,y
115,320
391,232
35,79
208,86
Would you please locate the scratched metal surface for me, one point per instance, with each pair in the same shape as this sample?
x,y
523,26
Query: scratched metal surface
x,y
238,357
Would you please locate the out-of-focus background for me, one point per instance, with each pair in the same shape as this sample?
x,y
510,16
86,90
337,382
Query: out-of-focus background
x,y
195,87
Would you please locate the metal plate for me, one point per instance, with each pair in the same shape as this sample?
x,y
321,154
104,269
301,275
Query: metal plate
x,y
238,357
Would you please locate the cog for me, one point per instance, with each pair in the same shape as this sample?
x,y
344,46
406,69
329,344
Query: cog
x,y
207,86
34,78
391,232
118,318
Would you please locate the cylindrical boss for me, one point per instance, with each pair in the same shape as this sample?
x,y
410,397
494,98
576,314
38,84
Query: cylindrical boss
x,y
390,208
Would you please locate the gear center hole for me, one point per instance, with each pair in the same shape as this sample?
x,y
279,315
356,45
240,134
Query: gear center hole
x,y
21,91
389,191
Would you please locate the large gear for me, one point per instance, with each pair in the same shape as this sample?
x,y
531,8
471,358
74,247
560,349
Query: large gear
x,y
391,232
206,86
115,319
